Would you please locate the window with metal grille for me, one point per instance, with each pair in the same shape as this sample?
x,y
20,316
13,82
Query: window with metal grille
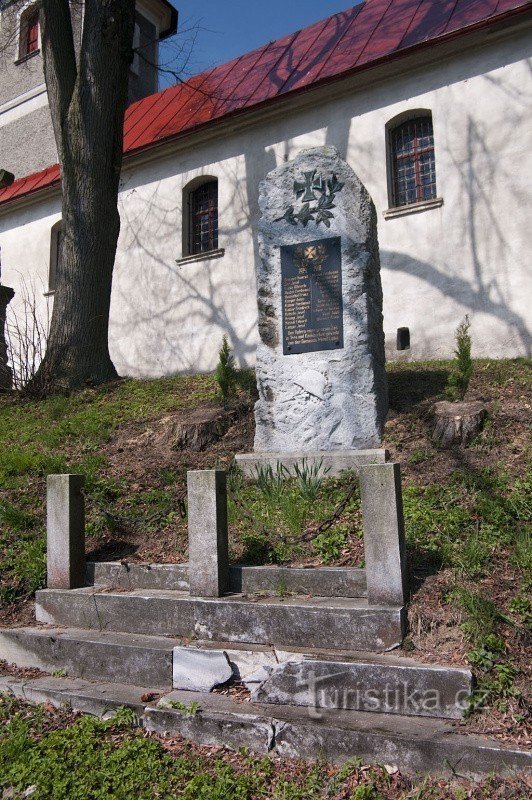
x,y
413,162
203,216
29,32
32,33
55,255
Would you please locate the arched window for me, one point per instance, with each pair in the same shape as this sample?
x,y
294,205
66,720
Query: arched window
x,y
56,241
29,31
202,203
412,161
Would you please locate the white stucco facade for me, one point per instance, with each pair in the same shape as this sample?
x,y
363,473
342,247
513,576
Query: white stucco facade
x,y
471,254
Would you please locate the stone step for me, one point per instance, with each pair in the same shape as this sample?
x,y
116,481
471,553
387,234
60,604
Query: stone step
x,y
319,581
328,623
407,688
96,655
413,745
315,679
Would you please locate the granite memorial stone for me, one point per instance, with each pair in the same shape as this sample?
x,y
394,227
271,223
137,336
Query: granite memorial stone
x,y
320,361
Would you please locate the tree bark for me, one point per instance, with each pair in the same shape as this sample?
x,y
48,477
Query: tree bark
x,y
87,103
457,423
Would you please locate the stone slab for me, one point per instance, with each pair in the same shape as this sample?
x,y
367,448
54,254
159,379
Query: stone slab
x,y
113,657
410,690
350,626
214,724
332,623
200,670
319,581
332,463
145,611
384,534
137,576
414,745
65,531
98,699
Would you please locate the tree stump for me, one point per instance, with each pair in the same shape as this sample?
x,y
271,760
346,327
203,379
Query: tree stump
x,y
194,430
458,423
202,428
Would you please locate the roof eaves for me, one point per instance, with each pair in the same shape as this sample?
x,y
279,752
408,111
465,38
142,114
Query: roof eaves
x,y
358,68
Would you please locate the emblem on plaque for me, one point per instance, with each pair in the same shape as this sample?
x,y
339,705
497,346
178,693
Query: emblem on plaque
x,y
313,188
310,257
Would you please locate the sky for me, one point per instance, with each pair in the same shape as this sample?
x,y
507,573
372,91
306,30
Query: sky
x,y
227,28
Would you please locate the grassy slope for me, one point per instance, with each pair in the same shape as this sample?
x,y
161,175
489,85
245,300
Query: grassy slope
x,y
466,509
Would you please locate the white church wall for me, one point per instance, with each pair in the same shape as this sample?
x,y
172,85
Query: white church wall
x,y
468,256
25,254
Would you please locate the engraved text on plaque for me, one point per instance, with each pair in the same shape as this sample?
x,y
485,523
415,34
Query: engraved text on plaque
x,y
312,296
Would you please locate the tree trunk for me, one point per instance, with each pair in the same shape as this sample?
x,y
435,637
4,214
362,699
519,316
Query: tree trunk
x,y
87,103
457,423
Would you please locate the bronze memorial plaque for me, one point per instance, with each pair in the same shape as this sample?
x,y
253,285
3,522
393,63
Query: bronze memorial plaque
x,y
312,296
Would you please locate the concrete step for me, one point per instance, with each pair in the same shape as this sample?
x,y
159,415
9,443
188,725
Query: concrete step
x,y
393,687
320,581
96,655
315,679
328,623
413,745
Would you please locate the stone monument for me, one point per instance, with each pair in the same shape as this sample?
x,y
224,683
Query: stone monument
x,y
6,375
320,361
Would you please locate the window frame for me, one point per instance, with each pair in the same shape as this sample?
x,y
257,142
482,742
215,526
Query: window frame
x,y
28,19
421,203
192,224
56,240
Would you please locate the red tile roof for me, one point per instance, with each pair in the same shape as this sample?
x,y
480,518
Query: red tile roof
x,y
351,40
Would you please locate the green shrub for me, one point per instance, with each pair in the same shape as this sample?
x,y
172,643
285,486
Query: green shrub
x,y
226,373
463,365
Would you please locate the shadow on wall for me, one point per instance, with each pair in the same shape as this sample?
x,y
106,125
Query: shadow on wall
x,y
168,317
472,297
176,322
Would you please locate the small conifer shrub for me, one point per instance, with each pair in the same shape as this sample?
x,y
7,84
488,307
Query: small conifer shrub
x,y
226,373
458,382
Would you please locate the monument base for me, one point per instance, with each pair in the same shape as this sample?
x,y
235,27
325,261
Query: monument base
x,y
333,462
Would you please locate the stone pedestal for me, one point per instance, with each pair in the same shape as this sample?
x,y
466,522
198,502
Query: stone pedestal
x,y
208,543
6,375
320,361
65,531
331,463
384,534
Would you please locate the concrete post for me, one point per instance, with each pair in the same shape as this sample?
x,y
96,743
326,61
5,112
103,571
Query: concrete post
x,y
208,545
6,376
384,535
65,523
